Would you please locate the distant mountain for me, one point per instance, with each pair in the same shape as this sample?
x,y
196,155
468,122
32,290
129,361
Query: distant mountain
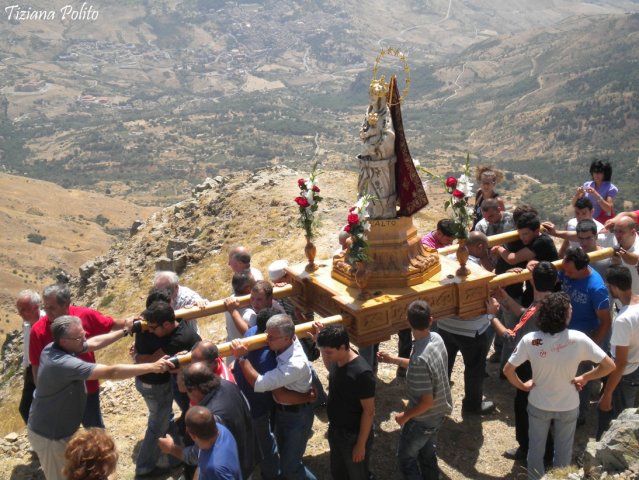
x,y
151,97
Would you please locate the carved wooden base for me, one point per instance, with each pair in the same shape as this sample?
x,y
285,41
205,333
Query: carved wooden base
x,y
375,319
398,257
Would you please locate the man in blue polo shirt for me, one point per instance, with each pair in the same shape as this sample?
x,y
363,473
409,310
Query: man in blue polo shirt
x,y
590,308
218,459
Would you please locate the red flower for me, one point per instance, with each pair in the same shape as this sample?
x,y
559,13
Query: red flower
x,y
301,183
353,219
352,209
451,182
458,194
347,228
302,202
315,189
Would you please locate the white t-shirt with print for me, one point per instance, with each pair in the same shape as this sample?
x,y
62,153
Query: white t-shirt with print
x,y
625,333
554,360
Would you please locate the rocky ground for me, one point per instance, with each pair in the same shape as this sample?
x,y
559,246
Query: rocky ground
x,y
469,447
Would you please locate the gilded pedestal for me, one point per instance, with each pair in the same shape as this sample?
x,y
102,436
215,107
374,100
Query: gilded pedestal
x,y
398,257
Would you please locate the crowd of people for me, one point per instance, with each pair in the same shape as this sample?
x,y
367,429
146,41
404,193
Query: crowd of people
x,y
254,410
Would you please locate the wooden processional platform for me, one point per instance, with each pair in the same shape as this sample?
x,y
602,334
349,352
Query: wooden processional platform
x,y
402,270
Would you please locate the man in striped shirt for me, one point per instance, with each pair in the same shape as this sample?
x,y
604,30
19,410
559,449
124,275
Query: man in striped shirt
x,y
429,397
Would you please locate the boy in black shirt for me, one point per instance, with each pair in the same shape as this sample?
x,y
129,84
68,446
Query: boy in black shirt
x,y
351,405
166,336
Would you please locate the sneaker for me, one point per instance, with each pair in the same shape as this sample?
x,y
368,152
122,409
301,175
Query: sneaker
x,y
515,453
486,407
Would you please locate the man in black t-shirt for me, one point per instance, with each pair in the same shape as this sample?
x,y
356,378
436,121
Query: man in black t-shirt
x,y
351,405
537,246
165,337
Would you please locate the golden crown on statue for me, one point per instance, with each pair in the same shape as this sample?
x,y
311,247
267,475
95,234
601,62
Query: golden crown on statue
x,y
393,52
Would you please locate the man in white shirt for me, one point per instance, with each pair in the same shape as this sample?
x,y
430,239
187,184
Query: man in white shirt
x,y
628,242
181,296
622,385
28,306
293,423
238,319
240,260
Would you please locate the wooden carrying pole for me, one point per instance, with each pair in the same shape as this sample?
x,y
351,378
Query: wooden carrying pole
x,y
493,240
218,306
254,342
510,278
259,341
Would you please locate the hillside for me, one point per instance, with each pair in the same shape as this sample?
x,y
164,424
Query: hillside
x,y
47,229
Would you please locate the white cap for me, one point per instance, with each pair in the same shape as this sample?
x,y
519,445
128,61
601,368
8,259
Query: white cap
x,y
276,269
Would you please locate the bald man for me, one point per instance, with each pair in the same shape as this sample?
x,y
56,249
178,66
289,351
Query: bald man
x,y
627,240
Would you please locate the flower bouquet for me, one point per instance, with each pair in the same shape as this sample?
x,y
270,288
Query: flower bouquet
x,y
357,255
357,225
308,203
461,213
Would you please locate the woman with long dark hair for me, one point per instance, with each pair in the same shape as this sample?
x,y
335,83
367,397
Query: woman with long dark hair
x,y
600,191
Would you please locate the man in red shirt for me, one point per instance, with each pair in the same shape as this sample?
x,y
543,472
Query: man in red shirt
x,y
57,302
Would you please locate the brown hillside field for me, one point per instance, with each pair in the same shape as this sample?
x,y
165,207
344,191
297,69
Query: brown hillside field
x,y
67,220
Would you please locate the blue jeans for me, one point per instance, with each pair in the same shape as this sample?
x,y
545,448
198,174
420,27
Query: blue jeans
x,y
159,401
270,465
417,451
292,430
92,415
341,443
623,397
564,425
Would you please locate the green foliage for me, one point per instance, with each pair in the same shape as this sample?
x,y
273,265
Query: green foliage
x,y
101,220
107,300
36,238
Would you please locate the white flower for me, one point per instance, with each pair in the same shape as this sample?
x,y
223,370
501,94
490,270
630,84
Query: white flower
x,y
309,196
465,185
367,226
360,204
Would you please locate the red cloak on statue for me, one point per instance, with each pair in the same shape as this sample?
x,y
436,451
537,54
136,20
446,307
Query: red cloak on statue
x,y
410,190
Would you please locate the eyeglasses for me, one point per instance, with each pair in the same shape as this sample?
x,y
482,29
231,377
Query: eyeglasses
x,y
75,339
